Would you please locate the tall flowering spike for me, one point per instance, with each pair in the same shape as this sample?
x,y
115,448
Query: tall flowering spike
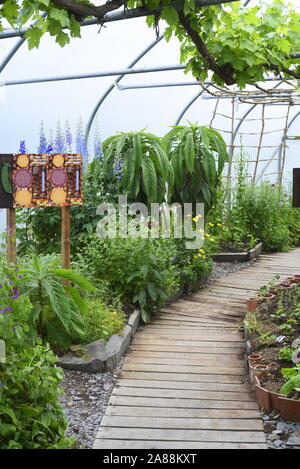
x,y
59,142
98,149
68,137
81,144
42,148
22,148
49,149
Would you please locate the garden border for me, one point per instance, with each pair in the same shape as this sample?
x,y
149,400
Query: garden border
x,y
103,356
288,408
239,256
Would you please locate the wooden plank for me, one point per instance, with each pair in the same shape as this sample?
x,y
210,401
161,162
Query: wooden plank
x,y
181,403
143,383
170,313
184,362
151,444
197,321
182,435
191,378
234,336
189,302
200,369
194,326
190,328
182,412
233,358
181,423
186,343
186,394
188,350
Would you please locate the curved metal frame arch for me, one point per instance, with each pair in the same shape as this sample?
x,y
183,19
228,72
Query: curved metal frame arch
x,y
118,79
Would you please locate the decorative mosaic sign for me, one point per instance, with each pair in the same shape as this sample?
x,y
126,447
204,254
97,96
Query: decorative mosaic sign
x,y
30,180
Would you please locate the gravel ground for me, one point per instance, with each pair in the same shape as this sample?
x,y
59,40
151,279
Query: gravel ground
x,y
223,268
86,395
281,434
84,401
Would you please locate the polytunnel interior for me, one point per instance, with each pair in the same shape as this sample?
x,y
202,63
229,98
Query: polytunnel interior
x,y
132,101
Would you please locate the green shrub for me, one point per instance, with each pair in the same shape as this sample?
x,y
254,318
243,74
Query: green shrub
x,y
132,268
102,322
30,414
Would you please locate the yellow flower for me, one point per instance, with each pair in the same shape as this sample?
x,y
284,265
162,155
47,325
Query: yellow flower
x,y
211,224
219,224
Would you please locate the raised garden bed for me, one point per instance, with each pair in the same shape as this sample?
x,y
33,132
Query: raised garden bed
x,y
238,256
288,408
273,348
100,355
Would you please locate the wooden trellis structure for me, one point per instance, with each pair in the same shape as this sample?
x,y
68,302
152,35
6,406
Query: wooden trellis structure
x,y
288,97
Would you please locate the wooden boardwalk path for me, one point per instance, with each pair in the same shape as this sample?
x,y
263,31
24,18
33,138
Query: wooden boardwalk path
x,y
183,382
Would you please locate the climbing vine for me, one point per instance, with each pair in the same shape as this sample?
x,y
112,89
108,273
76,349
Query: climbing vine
x,y
227,43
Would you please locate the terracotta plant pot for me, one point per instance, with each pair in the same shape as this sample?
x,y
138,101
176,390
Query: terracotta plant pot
x,y
289,409
254,358
269,296
274,399
252,304
285,285
259,370
262,396
290,279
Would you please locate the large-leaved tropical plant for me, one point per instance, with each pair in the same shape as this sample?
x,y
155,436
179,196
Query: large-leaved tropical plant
x,y
58,307
138,164
197,155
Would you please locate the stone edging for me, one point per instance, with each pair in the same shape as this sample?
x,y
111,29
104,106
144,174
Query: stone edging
x,y
103,356
238,256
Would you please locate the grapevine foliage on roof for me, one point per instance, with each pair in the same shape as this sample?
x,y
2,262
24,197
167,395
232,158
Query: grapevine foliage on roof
x,y
228,43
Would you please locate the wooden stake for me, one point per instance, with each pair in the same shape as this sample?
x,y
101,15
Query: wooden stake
x,y
11,235
65,237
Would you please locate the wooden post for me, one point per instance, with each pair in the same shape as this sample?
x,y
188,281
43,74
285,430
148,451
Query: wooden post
x,y
65,237
11,235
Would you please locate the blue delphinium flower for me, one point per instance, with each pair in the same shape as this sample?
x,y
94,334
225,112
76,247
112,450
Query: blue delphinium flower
x,y
22,148
81,144
98,149
59,142
49,149
68,137
118,169
43,141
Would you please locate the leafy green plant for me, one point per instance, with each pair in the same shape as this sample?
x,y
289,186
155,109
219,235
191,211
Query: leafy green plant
x,y
57,308
293,380
251,322
132,268
197,155
30,413
266,338
137,164
285,353
229,43
101,322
